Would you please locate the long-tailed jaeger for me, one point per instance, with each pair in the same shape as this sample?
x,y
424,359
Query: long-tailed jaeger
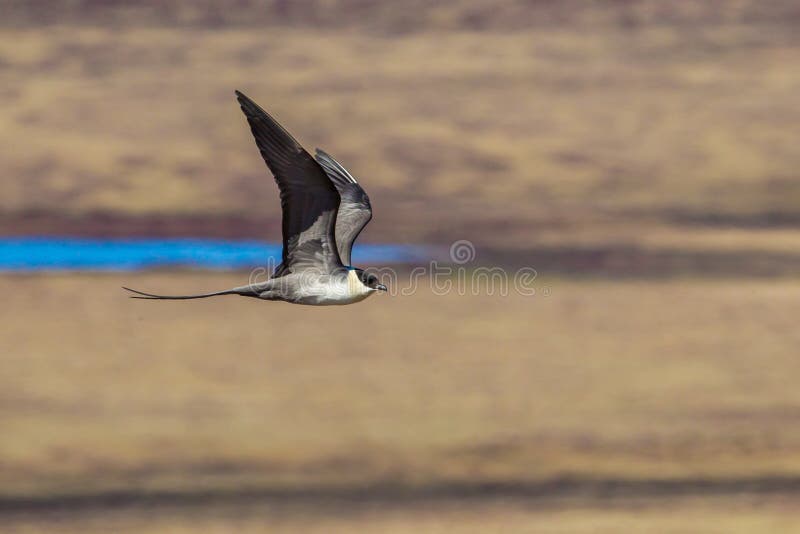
x,y
324,210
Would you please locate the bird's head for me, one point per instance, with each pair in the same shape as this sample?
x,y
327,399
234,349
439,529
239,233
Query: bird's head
x,y
370,280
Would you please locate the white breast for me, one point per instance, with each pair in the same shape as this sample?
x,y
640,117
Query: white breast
x,y
335,290
355,287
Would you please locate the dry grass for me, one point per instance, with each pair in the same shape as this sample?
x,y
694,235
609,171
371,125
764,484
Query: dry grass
x,y
636,380
706,516
675,380
527,131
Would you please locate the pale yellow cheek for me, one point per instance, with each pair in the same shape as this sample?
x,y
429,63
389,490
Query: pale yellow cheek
x,y
353,283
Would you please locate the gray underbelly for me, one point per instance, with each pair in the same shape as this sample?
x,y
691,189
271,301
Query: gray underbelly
x,y
328,300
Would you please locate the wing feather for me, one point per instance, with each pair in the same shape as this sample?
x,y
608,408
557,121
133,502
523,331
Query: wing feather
x,y
355,210
309,199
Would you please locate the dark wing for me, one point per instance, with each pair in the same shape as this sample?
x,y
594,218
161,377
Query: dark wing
x,y
308,198
355,210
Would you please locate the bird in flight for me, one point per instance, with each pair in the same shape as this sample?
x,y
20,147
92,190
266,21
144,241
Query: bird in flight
x,y
324,210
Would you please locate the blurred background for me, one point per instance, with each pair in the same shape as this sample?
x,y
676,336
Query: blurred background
x,y
640,155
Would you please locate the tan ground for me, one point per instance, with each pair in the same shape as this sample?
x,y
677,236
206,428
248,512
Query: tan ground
x,y
616,117
663,131
735,515
642,380
685,380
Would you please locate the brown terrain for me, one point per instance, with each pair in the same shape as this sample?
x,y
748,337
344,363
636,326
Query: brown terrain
x,y
658,404
640,155
661,128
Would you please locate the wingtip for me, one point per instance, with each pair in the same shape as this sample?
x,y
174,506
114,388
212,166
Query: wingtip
x,y
248,105
333,168
243,99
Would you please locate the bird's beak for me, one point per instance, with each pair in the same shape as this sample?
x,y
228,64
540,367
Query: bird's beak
x,y
381,287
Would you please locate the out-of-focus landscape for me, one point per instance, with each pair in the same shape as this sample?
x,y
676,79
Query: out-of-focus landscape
x,y
640,155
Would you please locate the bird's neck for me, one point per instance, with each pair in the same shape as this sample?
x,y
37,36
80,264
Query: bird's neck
x,y
354,284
